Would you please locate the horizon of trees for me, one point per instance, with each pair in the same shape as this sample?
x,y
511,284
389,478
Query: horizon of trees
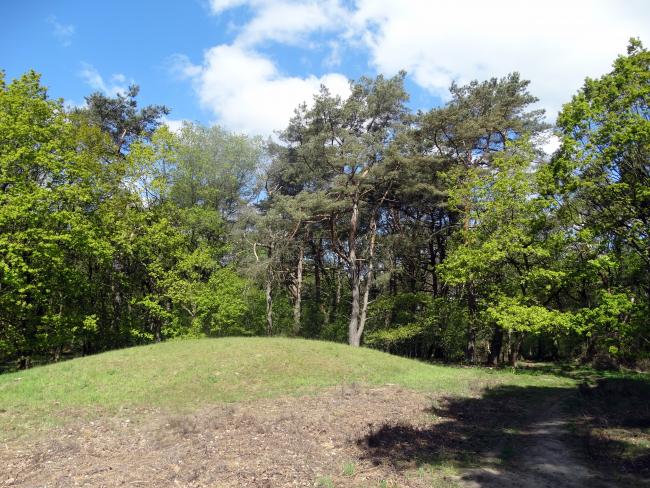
x,y
443,235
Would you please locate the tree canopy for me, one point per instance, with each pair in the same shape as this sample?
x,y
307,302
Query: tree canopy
x,y
445,234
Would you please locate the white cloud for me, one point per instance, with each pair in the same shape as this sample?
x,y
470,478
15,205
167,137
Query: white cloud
x,y
248,93
244,89
548,142
118,82
334,57
219,6
175,125
181,66
552,144
554,43
289,21
62,32
285,21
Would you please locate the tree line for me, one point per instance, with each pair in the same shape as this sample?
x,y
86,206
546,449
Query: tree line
x,y
446,234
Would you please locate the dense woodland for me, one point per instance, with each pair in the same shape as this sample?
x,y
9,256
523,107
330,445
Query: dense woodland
x,y
444,235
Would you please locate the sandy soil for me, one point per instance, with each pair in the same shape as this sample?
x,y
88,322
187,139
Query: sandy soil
x,y
350,436
546,458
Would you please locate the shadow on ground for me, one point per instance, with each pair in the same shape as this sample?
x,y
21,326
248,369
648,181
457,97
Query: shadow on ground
x,y
529,436
584,373
472,429
613,424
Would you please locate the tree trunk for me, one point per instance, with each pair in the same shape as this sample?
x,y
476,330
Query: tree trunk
x,y
318,264
541,350
24,362
269,294
157,333
354,339
514,351
269,307
336,300
434,272
495,346
470,351
369,276
298,292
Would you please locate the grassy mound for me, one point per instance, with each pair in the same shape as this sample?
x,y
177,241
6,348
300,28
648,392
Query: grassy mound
x,y
183,375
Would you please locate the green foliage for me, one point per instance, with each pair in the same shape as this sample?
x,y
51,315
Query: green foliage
x,y
507,249
615,323
411,317
119,117
46,188
94,251
386,338
446,234
511,315
225,305
601,175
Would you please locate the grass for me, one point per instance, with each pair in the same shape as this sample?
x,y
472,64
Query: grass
x,y
441,474
480,416
325,482
349,469
183,375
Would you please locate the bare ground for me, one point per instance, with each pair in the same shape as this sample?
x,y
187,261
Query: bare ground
x,y
351,436
546,458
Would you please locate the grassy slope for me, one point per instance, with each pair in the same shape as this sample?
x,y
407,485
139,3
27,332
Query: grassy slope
x,y
178,376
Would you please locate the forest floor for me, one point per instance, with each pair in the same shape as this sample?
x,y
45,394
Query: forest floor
x,y
491,428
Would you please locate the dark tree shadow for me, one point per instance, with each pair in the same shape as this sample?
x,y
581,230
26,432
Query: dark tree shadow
x,y
613,424
490,437
473,432
584,373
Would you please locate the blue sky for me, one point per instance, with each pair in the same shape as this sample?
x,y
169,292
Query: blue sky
x,y
245,64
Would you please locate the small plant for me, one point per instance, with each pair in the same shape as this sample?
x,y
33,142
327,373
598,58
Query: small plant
x,y
349,469
325,482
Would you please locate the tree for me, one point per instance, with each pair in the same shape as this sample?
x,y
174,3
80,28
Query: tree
x,y
215,169
445,234
602,177
120,118
341,148
450,146
507,249
100,249
191,182
49,185
602,164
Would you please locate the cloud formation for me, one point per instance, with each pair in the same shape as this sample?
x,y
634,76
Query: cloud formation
x,y
62,32
174,125
555,44
248,93
118,82
289,22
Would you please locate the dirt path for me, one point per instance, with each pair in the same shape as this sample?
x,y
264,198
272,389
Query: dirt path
x,y
545,459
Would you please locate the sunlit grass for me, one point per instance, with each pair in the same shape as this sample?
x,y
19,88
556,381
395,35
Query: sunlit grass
x,y
182,375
